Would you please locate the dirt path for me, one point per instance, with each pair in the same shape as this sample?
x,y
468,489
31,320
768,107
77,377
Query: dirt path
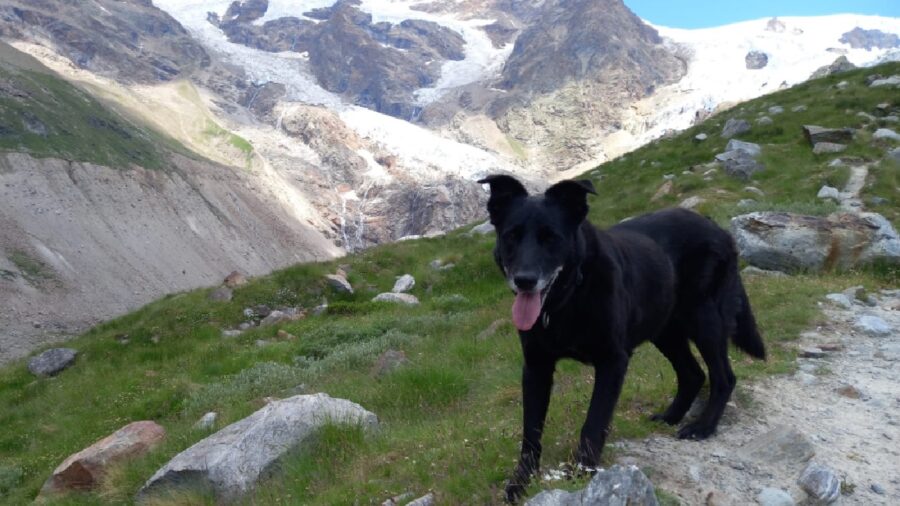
x,y
841,409
843,406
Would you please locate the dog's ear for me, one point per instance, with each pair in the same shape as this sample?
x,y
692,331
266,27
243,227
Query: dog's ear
x,y
504,190
571,195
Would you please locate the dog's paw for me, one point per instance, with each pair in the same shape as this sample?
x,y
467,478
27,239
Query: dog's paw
x,y
696,431
514,491
666,417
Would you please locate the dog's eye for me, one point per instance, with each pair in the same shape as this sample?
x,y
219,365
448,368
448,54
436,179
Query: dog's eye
x,y
546,236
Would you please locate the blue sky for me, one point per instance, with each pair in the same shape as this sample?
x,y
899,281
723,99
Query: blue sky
x,y
706,13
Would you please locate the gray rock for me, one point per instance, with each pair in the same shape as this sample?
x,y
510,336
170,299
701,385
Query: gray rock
x,y
866,116
840,64
231,333
439,265
700,137
232,460
839,299
829,192
822,148
894,155
755,60
781,444
873,326
389,361
842,85
887,81
425,500
740,164
798,108
789,242
764,121
404,283
811,352
754,190
691,202
398,298
746,203
245,326
750,148
207,421
339,283
886,133
51,362
616,486
735,126
815,134
221,294
820,482
482,229
774,497
274,317
776,109
878,489
756,271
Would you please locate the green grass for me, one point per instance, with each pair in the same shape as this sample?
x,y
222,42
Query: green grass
x,y
30,268
450,418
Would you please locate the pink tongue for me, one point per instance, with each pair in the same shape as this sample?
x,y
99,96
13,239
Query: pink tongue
x,y
526,309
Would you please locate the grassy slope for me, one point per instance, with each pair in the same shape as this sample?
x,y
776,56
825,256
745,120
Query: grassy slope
x,y
450,418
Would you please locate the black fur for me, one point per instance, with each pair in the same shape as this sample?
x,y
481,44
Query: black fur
x,y
667,277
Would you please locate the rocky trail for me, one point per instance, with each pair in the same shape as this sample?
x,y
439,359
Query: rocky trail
x,y
840,409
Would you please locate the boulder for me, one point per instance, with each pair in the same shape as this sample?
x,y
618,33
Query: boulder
x,y
404,284
700,137
873,326
51,362
774,497
798,108
764,121
482,229
221,294
755,60
822,148
235,279
735,126
389,361
663,190
839,299
840,64
339,283
86,469
691,202
776,109
750,148
397,298
231,461
894,155
887,81
207,421
828,192
820,482
816,134
739,163
282,315
425,500
886,133
781,444
616,486
791,242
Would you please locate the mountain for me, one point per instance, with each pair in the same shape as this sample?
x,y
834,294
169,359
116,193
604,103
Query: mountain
x,y
355,123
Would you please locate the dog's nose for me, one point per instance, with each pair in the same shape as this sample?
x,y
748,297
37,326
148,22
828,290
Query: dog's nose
x,y
525,281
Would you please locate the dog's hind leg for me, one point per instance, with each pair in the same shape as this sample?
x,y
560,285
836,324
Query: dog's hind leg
x,y
674,345
537,382
711,340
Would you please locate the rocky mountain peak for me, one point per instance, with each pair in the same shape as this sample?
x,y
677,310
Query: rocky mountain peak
x,y
129,40
588,40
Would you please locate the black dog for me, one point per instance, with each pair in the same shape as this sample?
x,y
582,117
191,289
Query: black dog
x,y
593,296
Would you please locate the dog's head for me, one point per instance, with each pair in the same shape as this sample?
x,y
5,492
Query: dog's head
x,y
536,236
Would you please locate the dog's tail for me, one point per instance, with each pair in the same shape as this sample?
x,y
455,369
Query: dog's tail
x,y
746,335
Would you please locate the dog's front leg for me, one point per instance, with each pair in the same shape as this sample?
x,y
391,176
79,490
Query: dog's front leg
x,y
608,378
537,381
